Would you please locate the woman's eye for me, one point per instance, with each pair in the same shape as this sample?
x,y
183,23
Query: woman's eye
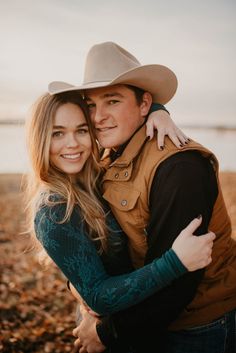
x,y
91,105
57,134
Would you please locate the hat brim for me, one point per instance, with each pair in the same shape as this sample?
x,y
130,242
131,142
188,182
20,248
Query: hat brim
x,y
159,80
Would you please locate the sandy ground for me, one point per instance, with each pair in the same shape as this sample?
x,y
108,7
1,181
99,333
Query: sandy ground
x,y
36,308
228,182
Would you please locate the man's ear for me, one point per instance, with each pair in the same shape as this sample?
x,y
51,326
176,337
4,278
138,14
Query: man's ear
x,y
146,104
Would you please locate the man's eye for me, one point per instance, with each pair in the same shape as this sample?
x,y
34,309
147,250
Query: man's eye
x,y
57,134
113,101
82,131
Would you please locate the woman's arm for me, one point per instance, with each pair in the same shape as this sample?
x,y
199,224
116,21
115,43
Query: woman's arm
x,y
159,119
75,254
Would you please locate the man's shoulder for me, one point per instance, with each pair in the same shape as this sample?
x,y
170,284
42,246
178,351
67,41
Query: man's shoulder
x,y
170,153
190,153
185,166
186,156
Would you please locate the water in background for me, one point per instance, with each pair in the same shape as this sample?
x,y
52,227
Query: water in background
x,y
14,155
12,144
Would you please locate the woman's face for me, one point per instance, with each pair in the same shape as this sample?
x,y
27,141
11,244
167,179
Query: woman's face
x,y
70,145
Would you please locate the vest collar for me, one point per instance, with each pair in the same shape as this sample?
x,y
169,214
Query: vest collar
x,y
131,150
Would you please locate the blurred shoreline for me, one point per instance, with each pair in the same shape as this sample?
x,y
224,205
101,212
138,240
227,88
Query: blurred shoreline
x,y
218,127
12,122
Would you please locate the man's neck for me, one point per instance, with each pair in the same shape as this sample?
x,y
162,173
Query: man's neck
x,y
117,152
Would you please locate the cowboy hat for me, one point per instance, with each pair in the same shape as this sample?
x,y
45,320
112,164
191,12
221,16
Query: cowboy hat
x,y
109,64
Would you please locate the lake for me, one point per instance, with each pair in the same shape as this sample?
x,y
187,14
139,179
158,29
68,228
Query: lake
x,y
14,156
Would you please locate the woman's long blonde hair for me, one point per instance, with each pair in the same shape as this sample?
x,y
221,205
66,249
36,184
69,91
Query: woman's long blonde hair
x,y
45,179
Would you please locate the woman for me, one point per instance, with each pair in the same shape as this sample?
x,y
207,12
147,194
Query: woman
x,y
72,222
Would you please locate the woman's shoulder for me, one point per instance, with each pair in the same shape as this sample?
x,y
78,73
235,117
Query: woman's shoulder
x,y
52,207
49,218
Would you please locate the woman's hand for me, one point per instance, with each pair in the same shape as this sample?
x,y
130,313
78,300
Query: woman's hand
x,y
162,122
194,251
87,339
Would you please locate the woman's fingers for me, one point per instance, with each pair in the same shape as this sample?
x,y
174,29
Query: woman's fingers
x,y
184,139
209,237
192,226
75,332
150,129
194,251
162,122
77,346
83,350
160,139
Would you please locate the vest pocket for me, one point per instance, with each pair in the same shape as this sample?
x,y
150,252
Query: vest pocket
x,y
125,203
122,198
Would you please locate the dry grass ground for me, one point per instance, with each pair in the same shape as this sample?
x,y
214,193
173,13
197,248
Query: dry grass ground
x,y
36,309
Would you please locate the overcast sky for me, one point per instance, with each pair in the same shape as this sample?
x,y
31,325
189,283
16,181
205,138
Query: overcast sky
x,y
47,40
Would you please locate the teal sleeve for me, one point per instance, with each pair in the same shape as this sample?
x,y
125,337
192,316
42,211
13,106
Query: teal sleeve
x,y
75,254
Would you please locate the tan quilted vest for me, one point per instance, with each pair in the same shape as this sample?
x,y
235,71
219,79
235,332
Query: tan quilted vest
x,y
127,183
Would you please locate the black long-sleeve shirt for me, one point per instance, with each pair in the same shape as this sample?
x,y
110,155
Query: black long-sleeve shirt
x,y
183,187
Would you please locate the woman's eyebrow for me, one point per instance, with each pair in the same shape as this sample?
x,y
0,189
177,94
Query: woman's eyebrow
x,y
64,127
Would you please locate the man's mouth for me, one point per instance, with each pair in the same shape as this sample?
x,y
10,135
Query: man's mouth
x,y
104,129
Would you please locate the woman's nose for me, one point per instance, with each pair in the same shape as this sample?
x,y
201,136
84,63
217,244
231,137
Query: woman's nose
x,y
72,141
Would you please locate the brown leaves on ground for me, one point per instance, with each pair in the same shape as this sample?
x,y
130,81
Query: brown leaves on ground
x,y
37,310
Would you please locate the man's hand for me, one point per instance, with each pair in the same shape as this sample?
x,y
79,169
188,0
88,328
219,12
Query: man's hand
x,y
86,333
162,122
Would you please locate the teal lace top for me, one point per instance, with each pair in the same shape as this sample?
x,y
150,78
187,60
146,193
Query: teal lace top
x,y
105,282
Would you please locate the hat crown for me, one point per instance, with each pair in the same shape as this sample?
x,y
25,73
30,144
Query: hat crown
x,y
109,64
106,61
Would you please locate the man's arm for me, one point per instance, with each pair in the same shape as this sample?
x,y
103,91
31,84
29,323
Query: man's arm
x,y
184,186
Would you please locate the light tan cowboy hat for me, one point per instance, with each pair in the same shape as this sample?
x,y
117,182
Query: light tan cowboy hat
x,y
108,64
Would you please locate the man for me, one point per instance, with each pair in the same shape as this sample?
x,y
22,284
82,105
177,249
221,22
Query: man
x,y
154,194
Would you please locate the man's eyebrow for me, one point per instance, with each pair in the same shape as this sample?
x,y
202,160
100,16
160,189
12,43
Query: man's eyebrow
x,y
112,94
64,127
107,95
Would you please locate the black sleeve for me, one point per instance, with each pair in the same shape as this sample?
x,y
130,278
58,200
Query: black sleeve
x,y
184,186
157,106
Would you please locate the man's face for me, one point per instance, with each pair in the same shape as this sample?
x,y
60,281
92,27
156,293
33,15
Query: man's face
x,y
115,113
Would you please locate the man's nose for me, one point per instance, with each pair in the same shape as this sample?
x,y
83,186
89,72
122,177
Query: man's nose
x,y
99,116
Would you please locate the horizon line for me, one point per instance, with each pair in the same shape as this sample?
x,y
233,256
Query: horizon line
x,y
220,127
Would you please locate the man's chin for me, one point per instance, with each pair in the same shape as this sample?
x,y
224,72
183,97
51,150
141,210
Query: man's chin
x,y
110,141
105,143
